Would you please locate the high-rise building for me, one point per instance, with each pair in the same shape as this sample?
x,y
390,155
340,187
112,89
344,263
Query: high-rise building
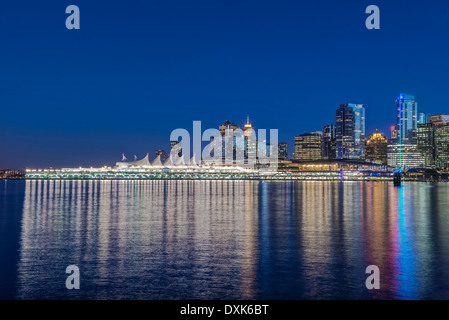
x,y
432,142
426,143
250,142
406,119
228,131
350,131
439,120
308,147
376,148
282,151
161,153
404,155
423,118
442,147
329,142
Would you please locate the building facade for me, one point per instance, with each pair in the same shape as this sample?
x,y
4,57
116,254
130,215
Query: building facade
x,y
442,147
307,147
426,143
404,156
406,119
329,142
350,131
376,148
282,151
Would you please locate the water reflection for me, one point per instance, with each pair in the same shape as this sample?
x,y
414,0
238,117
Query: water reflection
x,y
233,239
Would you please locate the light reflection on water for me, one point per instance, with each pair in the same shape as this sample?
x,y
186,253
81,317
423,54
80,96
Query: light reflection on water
x,y
233,240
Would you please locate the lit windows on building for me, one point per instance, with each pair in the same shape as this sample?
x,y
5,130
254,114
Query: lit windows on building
x,y
282,151
406,119
404,156
426,143
376,148
329,142
308,147
350,131
442,147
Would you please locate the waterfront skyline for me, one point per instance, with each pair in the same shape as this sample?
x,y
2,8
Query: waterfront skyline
x,y
84,97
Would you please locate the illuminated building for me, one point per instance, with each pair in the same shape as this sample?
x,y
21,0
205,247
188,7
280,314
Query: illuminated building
x,y
406,119
350,131
423,118
229,132
376,148
307,147
439,120
250,146
329,142
404,155
426,143
282,151
442,147
433,142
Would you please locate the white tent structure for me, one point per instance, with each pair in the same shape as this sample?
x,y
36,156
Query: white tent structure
x,y
157,162
137,163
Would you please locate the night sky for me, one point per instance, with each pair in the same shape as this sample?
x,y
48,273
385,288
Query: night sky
x,y
136,70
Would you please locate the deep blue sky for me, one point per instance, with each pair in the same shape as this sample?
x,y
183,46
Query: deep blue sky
x,y
136,70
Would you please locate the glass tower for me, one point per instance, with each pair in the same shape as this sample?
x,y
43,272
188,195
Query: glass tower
x,y
406,118
350,131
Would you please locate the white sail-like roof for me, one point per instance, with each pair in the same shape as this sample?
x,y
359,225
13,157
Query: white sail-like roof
x,y
157,162
140,163
168,162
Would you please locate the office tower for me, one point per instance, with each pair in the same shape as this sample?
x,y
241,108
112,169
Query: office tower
x,y
250,142
439,120
161,153
282,151
426,142
308,147
406,119
227,125
442,147
376,148
431,140
329,142
404,155
350,131
423,118
229,132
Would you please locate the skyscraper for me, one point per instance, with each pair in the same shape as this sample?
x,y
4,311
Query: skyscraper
x,y
433,141
350,131
329,142
423,118
228,131
307,147
282,151
250,142
376,148
406,118
442,147
426,142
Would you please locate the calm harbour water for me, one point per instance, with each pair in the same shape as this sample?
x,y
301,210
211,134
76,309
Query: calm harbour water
x,y
223,239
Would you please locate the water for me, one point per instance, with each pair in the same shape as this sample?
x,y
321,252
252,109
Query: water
x,y
223,239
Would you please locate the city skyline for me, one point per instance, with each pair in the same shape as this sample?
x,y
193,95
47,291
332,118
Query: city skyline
x,y
362,135
134,73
